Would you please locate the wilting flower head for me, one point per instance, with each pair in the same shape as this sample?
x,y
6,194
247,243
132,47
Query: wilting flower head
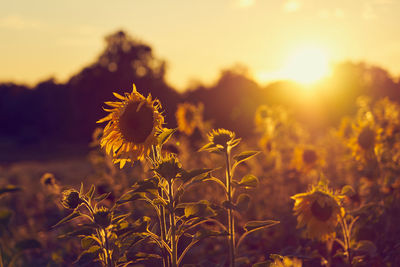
x,y
102,216
168,168
220,139
188,117
71,199
132,128
319,211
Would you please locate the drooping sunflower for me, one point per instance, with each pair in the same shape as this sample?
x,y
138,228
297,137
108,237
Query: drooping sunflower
x,y
134,122
319,210
188,117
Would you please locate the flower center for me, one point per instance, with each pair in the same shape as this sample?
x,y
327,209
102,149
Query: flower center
x,y
136,125
366,139
322,213
309,156
189,116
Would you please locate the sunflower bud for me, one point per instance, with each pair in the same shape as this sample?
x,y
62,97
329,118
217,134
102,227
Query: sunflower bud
x,y
71,199
102,217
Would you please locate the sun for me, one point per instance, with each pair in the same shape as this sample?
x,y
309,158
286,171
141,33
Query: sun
x,y
306,65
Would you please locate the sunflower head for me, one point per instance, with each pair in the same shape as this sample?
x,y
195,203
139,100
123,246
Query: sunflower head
x,y
319,210
168,168
71,199
102,217
366,138
221,140
306,158
133,124
309,156
188,117
48,179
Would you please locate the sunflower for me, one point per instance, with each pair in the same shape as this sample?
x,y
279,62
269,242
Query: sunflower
x,y
306,159
221,140
168,167
319,210
134,122
188,117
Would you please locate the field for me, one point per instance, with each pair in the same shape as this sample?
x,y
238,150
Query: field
x,y
146,195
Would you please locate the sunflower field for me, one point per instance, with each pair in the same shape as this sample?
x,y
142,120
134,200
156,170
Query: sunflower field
x,y
200,195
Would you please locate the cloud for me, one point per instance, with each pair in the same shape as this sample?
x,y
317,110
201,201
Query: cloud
x,y
17,22
291,6
244,3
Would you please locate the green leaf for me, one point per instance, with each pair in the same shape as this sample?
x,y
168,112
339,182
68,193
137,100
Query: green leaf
x,y
82,231
257,225
249,181
208,147
147,186
165,135
5,217
81,190
88,256
244,156
75,214
142,224
366,247
27,244
199,209
186,176
218,181
87,242
130,196
9,189
102,197
204,233
242,203
90,193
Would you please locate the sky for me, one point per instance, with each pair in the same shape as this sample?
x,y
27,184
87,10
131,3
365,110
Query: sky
x,y
46,38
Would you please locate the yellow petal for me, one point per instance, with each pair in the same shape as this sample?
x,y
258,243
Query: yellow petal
x,y
118,96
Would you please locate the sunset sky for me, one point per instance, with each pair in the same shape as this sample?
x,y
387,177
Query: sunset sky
x,y
40,39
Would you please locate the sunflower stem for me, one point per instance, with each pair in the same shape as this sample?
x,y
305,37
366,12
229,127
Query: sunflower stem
x,y
107,248
231,226
174,243
163,225
346,237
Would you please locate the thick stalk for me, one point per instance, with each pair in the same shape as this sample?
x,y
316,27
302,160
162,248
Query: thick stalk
x,y
231,222
163,231
174,243
109,260
163,225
